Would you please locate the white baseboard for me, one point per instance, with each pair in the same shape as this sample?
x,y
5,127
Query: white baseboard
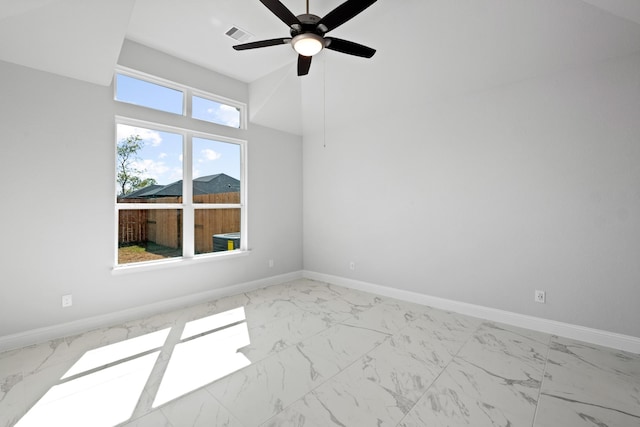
x,y
590,335
39,335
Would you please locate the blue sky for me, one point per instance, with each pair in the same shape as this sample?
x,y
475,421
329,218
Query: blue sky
x,y
161,157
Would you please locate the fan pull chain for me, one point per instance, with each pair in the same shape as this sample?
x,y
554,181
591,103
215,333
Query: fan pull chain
x,y
307,7
324,101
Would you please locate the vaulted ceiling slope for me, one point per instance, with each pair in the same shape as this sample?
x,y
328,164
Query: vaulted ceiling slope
x,y
628,9
80,39
434,45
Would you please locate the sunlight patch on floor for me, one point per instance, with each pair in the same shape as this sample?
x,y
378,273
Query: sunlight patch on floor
x,y
119,351
102,399
200,361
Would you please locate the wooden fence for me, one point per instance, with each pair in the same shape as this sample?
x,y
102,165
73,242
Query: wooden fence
x,y
164,226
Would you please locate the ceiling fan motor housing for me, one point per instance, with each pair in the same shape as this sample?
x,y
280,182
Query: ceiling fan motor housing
x,y
309,25
308,32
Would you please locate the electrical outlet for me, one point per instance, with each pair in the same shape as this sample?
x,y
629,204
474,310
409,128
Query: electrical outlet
x,y
352,265
67,300
540,297
270,263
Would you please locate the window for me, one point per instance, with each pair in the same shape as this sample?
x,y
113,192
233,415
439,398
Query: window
x,y
179,192
215,112
152,92
140,92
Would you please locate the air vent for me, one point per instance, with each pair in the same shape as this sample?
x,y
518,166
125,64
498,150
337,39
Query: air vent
x,y
238,34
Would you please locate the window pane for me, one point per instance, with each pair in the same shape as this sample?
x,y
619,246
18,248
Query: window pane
x,y
217,230
215,112
216,171
146,94
148,166
149,234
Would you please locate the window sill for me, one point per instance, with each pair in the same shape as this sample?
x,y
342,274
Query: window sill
x,y
177,262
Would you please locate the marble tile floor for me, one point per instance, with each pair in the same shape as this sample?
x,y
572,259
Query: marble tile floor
x,y
311,354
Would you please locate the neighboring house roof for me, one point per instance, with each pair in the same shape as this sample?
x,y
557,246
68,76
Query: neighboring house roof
x,y
173,189
210,184
214,184
142,191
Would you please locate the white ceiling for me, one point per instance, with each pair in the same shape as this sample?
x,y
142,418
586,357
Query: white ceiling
x,y
492,30
425,47
74,38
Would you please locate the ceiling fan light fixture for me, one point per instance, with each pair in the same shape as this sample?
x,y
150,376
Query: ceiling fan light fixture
x,y
307,32
307,44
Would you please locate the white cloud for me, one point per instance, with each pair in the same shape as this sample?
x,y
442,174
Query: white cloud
x,y
224,114
163,174
229,115
210,154
148,136
162,155
151,169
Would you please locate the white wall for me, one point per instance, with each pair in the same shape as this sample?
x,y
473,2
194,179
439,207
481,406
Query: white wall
x,y
479,198
485,197
57,173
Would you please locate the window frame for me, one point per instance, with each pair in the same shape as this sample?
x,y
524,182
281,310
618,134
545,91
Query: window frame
x,y
188,207
187,97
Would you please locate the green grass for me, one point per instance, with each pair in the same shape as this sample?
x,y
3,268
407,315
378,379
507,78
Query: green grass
x,y
149,251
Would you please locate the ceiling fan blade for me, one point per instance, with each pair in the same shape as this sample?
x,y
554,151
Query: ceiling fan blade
x,y
281,11
349,48
304,63
262,43
343,13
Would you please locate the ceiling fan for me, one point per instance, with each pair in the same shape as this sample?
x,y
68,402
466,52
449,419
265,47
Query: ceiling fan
x,y
308,32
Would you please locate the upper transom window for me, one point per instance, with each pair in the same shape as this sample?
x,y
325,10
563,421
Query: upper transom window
x,y
147,94
152,92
